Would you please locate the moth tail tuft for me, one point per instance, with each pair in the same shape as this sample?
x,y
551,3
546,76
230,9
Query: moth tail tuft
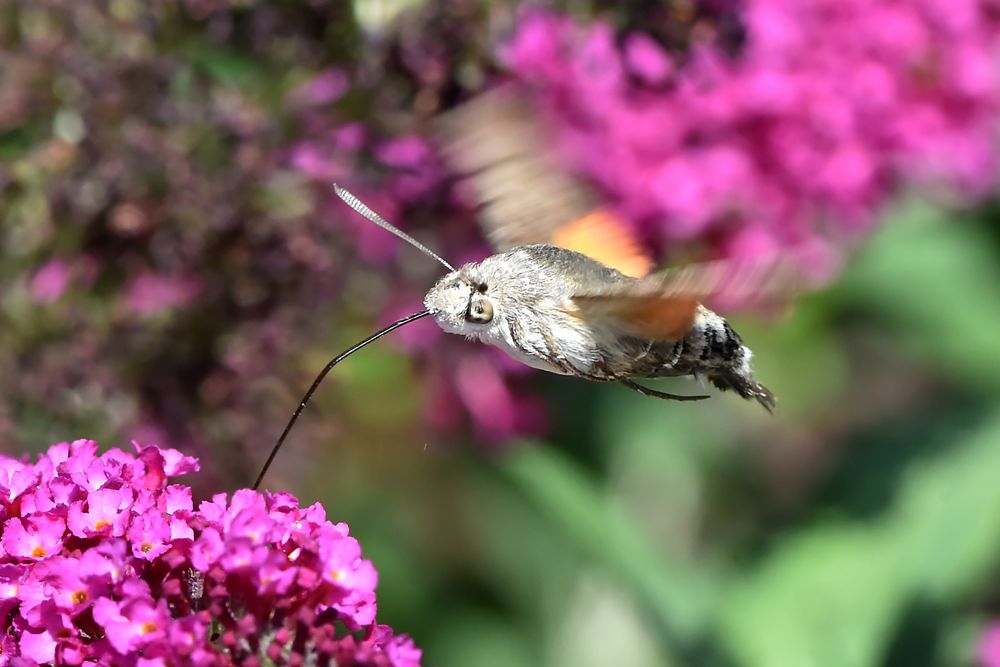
x,y
745,386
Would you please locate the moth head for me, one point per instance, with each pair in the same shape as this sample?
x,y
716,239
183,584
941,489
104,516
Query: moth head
x,y
461,302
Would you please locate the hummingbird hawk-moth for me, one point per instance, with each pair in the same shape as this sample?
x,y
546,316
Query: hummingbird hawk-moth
x,y
571,289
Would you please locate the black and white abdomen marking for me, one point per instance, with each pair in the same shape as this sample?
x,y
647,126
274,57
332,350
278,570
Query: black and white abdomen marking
x,y
712,350
715,350
712,343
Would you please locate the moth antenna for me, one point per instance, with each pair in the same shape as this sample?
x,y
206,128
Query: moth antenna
x,y
360,207
319,379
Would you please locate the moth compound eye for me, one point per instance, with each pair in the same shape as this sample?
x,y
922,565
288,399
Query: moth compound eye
x,y
480,312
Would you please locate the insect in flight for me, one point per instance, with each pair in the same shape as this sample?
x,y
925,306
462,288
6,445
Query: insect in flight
x,y
570,289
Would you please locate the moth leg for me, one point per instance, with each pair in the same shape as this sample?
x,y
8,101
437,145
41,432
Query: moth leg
x,y
698,378
645,352
646,391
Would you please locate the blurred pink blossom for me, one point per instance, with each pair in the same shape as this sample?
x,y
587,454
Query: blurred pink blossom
x,y
151,294
324,88
647,59
830,108
496,410
50,281
989,646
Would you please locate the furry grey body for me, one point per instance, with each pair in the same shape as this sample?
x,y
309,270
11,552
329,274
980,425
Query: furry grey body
x,y
529,291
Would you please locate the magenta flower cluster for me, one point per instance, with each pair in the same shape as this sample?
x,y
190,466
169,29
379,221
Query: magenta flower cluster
x,y
103,560
799,138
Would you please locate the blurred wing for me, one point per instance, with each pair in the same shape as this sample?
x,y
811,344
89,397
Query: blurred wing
x,y
603,236
497,142
729,285
652,317
663,307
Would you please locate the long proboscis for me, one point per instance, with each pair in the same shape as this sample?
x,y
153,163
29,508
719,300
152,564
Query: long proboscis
x,y
361,208
319,379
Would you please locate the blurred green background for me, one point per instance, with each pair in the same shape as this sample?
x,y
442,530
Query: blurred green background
x,y
859,526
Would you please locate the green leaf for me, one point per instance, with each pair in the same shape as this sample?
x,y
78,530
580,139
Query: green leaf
x,y
824,598
226,65
476,638
936,280
677,594
944,528
831,594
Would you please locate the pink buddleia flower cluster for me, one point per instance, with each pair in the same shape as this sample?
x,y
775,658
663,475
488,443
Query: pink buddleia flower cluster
x,y
826,110
104,561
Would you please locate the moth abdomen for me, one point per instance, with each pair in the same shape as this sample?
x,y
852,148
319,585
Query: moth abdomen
x,y
713,350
